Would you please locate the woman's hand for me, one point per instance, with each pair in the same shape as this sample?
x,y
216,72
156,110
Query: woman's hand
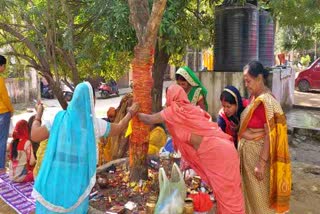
x,y
260,170
133,109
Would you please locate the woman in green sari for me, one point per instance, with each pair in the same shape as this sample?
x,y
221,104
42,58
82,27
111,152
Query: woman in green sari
x,y
196,92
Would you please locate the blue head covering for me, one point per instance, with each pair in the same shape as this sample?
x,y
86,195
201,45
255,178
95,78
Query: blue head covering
x,y
68,171
236,95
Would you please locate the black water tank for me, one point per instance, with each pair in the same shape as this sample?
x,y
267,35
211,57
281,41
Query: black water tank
x,y
236,37
266,39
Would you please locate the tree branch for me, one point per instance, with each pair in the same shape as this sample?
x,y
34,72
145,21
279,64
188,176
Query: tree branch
x,y
26,41
197,15
29,59
139,16
154,21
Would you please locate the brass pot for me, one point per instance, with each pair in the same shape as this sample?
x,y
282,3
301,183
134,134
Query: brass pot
x,y
188,206
151,204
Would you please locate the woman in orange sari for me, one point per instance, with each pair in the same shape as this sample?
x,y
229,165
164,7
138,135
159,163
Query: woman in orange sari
x,y
263,147
206,148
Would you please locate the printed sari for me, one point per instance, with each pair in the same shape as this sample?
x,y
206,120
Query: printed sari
x,y
272,194
22,165
198,91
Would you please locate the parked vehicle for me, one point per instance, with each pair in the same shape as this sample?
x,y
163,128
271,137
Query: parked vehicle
x,y
67,95
67,92
47,92
108,89
309,78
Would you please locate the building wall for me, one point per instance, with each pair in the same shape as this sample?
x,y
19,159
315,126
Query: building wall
x,y
215,82
123,82
281,82
23,90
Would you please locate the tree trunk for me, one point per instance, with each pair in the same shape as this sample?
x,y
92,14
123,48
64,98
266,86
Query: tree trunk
x,y
159,68
146,27
142,84
55,86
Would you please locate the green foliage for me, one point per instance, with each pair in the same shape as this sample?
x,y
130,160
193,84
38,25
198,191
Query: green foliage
x,y
305,60
298,22
98,33
182,26
81,28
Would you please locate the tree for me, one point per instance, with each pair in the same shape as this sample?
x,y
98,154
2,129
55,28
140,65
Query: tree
x,y
146,26
182,26
298,22
62,45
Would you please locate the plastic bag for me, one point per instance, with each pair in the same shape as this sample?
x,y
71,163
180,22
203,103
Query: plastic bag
x,y
172,192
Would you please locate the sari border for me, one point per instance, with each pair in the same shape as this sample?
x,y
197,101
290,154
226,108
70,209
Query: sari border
x,y
55,208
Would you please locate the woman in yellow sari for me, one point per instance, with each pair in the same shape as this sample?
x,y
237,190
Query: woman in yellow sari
x,y
104,144
263,147
114,147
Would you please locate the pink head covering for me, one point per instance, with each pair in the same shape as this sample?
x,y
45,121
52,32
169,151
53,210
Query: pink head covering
x,y
183,119
192,119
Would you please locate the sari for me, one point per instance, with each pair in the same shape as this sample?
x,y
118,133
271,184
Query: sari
x,y
104,145
198,91
21,166
40,154
68,170
230,125
157,140
216,160
272,194
115,147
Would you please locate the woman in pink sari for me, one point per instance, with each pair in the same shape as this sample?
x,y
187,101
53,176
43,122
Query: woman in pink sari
x,y
206,148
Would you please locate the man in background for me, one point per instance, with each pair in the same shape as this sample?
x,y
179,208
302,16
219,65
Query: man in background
x,y
6,111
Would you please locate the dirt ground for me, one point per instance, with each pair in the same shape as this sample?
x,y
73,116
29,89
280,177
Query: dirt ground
x,y
305,155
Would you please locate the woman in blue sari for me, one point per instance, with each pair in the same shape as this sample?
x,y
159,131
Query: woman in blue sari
x,y
68,171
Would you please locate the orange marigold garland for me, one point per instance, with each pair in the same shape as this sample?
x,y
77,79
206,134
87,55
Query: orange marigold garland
x,y
142,85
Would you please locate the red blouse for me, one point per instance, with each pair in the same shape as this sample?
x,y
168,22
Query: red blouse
x,y
258,118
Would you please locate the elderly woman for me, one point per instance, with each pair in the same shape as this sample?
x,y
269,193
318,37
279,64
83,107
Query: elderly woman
x,y
207,149
190,83
68,170
263,147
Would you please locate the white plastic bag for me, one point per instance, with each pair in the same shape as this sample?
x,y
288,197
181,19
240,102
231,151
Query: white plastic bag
x,y
172,192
